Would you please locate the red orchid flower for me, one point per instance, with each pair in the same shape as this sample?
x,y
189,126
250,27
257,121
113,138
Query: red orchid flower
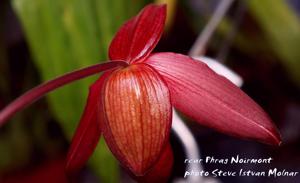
x,y
131,104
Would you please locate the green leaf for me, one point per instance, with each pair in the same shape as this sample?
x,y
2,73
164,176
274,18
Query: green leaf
x,y
104,164
64,35
282,29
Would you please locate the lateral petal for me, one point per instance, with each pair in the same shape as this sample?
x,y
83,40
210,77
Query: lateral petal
x,y
161,171
88,131
138,116
137,37
212,100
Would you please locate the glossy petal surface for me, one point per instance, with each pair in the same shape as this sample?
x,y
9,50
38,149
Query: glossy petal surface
x,y
137,38
138,112
161,171
88,132
213,100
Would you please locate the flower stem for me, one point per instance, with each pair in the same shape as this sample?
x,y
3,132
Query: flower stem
x,y
41,90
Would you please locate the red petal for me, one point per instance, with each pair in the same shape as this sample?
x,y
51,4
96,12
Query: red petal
x,y
138,111
213,100
88,132
137,37
161,171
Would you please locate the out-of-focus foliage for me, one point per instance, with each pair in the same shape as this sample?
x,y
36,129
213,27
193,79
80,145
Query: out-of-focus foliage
x,y
171,4
64,35
278,33
282,29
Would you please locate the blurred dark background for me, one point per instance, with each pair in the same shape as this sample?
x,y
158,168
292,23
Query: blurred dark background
x,y
41,39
